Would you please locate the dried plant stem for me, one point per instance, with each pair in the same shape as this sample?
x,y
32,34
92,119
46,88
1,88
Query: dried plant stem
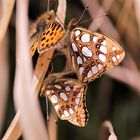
x,y
14,131
137,7
4,76
7,8
52,127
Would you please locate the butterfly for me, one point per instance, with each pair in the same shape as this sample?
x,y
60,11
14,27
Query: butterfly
x,y
48,33
67,97
90,54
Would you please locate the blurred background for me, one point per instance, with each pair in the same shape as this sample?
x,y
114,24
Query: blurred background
x,y
115,96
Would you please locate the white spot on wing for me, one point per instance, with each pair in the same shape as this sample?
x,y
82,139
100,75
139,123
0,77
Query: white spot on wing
x,y
79,94
84,59
71,111
48,92
79,60
103,49
58,86
114,59
54,99
104,43
118,56
94,69
62,116
74,47
95,38
76,107
85,38
86,52
74,120
56,107
113,48
102,57
100,66
77,100
89,74
67,88
82,115
63,96
66,113
77,32
81,69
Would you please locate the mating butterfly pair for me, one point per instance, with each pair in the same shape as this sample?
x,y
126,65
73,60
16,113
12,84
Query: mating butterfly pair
x,y
90,54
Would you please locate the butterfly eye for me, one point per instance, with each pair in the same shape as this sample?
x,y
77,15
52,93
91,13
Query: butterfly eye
x,y
40,26
67,96
91,54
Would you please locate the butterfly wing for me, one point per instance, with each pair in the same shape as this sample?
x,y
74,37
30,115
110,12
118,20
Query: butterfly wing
x,y
67,96
33,43
92,53
46,38
50,36
115,52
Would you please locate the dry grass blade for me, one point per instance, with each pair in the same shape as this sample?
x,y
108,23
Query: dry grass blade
x,y
137,8
4,76
107,132
25,101
123,74
39,74
104,24
7,8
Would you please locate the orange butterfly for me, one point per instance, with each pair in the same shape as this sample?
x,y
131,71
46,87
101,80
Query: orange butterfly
x,y
48,33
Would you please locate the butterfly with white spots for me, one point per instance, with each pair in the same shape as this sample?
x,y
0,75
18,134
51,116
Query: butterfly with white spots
x,y
67,96
91,54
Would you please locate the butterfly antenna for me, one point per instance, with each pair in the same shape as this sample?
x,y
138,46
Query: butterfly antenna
x,y
87,20
82,14
48,8
51,4
61,21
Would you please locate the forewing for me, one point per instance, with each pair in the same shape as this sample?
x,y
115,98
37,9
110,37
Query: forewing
x,y
50,36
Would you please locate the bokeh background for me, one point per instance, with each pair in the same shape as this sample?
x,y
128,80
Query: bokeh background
x,y
115,96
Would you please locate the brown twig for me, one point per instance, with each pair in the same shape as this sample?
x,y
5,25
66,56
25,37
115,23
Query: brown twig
x,y
107,132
